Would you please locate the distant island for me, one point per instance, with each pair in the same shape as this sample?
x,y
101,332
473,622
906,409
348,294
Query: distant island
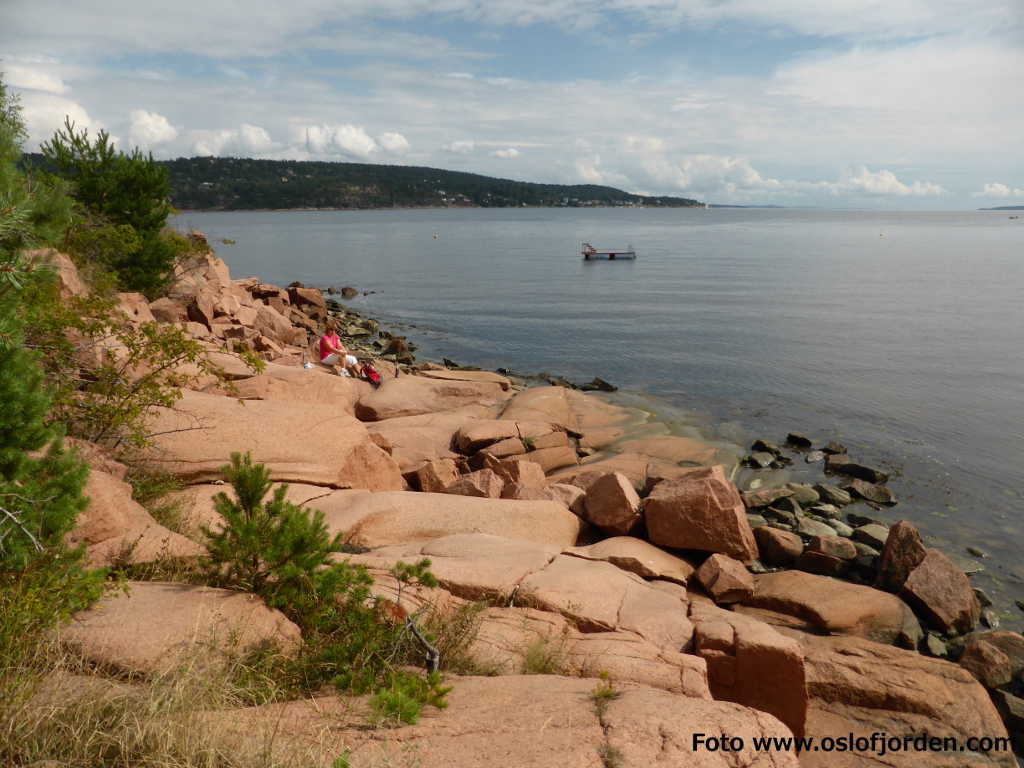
x,y
234,184
1004,208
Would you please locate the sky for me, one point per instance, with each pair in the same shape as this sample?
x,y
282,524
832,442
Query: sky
x,y
875,104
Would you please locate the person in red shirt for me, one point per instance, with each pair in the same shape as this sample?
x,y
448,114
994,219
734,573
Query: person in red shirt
x,y
335,354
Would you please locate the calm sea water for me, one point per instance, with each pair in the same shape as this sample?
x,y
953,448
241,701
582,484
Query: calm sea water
x,y
901,334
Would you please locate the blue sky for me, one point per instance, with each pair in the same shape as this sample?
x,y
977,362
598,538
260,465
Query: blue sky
x,y
900,104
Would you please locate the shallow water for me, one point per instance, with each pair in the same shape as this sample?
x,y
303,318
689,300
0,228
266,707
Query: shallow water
x,y
899,334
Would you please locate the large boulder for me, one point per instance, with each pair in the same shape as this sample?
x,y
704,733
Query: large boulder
x,y
725,579
837,607
637,556
436,475
862,688
135,307
116,529
69,282
154,626
380,519
484,484
297,442
903,552
751,663
701,511
778,547
612,504
414,395
943,593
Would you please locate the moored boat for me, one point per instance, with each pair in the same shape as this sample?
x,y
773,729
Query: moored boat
x,y
590,252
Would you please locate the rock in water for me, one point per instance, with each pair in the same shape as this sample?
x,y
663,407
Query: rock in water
x,y
870,491
798,441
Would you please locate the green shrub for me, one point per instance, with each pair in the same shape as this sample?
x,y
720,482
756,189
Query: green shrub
x,y
285,554
403,698
107,373
279,550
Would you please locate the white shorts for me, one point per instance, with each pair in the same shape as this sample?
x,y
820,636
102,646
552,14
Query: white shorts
x,y
334,358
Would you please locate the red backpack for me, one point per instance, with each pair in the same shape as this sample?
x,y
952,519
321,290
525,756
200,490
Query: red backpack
x,y
371,374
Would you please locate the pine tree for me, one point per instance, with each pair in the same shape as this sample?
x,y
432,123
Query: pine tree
x,y
41,484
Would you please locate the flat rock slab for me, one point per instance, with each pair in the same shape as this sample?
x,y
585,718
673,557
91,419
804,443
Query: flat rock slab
x,y
836,606
472,566
637,556
382,519
156,625
676,450
478,376
597,596
507,636
195,506
526,721
416,440
639,468
480,433
415,395
301,385
544,404
297,442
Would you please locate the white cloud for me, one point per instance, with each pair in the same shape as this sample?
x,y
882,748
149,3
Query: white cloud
x,y
511,153
461,147
883,183
44,113
996,189
395,143
150,128
33,78
245,140
338,139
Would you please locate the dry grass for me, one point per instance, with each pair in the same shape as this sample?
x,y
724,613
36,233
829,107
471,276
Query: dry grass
x,y
57,710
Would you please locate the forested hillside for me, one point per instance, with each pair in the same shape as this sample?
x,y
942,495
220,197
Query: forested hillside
x,y
242,183
224,183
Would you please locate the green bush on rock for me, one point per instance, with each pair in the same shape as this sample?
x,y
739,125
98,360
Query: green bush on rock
x,y
286,555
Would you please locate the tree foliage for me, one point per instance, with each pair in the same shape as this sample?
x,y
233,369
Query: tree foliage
x,y
41,483
124,200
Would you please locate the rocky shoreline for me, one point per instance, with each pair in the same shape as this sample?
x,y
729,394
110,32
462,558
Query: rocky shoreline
x,y
717,600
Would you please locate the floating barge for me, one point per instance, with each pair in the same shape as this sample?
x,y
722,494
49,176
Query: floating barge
x,y
590,252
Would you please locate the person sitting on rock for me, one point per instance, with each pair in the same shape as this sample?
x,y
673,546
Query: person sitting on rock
x,y
335,354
